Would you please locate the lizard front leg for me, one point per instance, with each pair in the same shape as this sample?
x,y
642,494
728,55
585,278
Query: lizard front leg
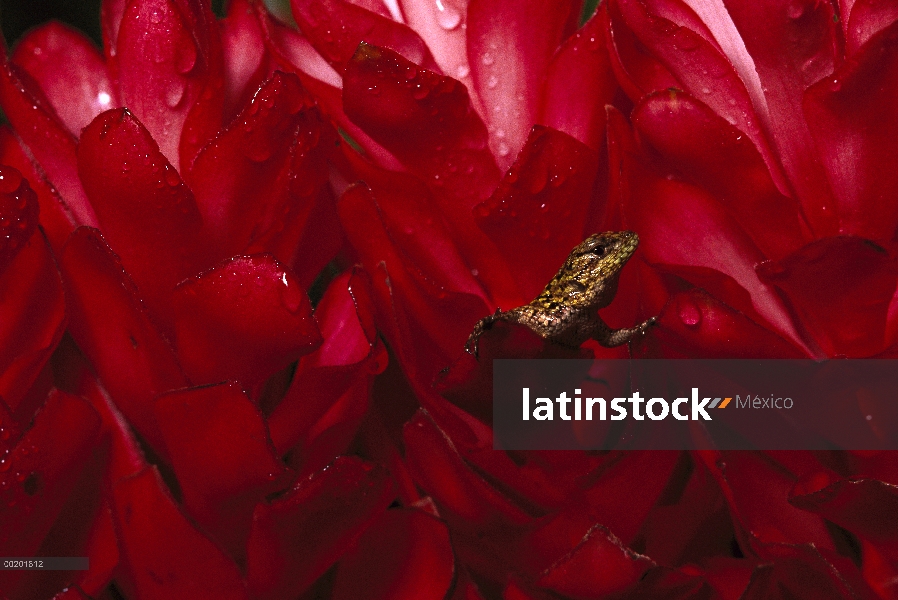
x,y
615,337
472,345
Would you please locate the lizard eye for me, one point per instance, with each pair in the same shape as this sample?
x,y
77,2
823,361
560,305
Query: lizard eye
x,y
599,250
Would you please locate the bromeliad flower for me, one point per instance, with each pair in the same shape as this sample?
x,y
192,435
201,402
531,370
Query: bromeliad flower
x,y
231,443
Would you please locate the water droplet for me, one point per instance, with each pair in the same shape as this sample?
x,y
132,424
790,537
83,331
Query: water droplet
x,y
463,71
419,93
411,73
492,82
291,295
174,94
126,167
504,150
10,180
447,16
171,177
795,10
4,465
487,59
706,90
156,17
689,313
185,58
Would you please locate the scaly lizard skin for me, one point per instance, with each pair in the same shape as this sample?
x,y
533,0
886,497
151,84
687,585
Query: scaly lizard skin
x,y
566,312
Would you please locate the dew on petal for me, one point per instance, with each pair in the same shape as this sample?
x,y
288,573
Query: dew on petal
x,y
10,180
174,94
448,16
463,71
689,313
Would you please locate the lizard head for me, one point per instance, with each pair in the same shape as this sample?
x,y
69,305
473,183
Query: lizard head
x,y
589,275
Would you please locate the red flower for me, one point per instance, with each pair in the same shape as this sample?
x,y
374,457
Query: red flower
x,y
203,432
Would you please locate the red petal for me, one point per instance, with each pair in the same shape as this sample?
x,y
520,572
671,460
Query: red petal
x,y
56,219
163,71
112,329
698,325
841,288
155,231
717,156
111,12
336,28
510,46
532,216
854,122
405,555
868,17
680,224
244,320
52,146
242,178
865,507
793,46
222,456
579,83
687,59
164,556
300,535
18,214
39,474
597,567
32,319
341,364
70,72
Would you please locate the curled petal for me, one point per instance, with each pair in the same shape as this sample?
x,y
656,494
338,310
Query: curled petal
x,y
222,456
336,28
844,276
868,17
70,72
147,520
245,67
300,535
510,46
156,231
242,320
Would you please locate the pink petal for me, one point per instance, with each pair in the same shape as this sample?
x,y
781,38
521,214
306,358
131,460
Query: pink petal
x,y
443,26
342,363
532,215
70,72
32,318
300,535
704,147
510,46
222,456
245,67
579,83
793,46
53,147
336,28
155,231
147,522
110,325
854,123
111,13
242,320
405,555
868,17
56,219
39,474
163,71
841,289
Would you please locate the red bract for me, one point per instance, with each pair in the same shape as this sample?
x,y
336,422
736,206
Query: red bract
x,y
240,222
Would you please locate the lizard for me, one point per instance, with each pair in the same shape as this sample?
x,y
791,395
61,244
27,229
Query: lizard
x,y
566,312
